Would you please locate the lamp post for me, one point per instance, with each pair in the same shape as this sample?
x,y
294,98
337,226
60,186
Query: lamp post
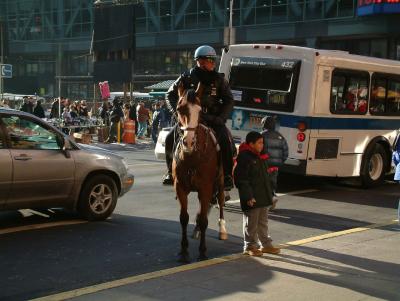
x,y
231,37
1,57
229,31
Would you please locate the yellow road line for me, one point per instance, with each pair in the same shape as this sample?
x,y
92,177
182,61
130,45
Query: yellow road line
x,y
134,279
335,234
40,226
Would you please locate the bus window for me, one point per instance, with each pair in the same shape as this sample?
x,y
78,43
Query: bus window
x,y
349,92
264,83
378,96
393,97
385,95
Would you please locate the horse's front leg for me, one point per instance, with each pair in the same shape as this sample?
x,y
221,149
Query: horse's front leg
x,y
184,220
202,220
196,230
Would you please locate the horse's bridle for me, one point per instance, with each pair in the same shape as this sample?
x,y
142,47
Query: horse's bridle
x,y
188,129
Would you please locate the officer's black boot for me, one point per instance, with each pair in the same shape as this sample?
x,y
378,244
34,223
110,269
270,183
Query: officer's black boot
x,y
227,162
228,182
167,178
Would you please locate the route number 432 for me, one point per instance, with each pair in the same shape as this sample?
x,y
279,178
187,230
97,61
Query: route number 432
x,y
287,64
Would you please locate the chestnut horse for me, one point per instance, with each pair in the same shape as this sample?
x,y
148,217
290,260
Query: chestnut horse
x,y
196,167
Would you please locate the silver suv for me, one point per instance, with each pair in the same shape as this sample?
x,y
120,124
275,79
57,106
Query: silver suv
x,y
40,167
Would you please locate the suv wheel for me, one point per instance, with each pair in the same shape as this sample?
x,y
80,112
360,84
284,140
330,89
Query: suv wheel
x,y
98,198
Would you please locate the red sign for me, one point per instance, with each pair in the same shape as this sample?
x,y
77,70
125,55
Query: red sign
x,y
104,90
369,2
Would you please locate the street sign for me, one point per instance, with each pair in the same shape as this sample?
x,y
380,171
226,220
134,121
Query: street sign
x,y
5,70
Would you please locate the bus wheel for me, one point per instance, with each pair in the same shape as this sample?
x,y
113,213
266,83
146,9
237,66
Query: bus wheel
x,y
373,167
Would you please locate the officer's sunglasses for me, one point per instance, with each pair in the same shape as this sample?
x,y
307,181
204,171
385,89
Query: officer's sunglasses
x,y
208,59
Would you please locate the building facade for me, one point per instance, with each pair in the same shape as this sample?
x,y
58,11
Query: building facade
x,y
48,46
49,40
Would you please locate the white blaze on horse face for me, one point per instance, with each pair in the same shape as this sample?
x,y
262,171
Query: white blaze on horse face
x,y
188,136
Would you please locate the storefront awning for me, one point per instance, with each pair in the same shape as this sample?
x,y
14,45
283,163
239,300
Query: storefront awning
x,y
161,86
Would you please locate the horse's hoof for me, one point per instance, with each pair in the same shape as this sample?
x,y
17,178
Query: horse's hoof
x,y
184,258
196,234
202,257
223,236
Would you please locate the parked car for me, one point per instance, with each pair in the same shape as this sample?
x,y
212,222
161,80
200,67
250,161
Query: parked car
x,y
40,167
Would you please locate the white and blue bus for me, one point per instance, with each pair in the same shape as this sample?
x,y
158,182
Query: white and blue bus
x,y
340,113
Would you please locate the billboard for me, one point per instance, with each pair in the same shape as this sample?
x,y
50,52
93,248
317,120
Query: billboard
x,y
374,7
114,43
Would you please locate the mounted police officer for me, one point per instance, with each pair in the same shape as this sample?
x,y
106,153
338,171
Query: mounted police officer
x,y
216,102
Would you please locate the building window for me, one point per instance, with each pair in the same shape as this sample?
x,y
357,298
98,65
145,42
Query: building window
x,y
263,12
32,69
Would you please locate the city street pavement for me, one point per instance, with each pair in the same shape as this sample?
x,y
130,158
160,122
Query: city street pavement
x,y
363,265
48,252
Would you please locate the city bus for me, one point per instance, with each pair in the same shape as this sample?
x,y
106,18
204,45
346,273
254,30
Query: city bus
x,y
339,112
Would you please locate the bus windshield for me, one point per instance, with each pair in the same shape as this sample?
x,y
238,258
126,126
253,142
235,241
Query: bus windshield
x,y
264,83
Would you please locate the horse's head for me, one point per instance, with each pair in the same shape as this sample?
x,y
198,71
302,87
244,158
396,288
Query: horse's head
x,y
189,109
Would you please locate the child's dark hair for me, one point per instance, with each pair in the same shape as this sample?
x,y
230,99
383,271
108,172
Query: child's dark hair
x,y
252,137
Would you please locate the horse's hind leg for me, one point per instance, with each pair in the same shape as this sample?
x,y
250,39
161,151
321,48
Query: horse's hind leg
x,y
184,220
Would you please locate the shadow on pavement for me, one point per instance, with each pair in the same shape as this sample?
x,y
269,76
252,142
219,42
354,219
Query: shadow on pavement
x,y
314,220
69,257
368,276
384,197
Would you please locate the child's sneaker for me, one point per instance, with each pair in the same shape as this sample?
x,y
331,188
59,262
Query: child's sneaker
x,y
253,252
270,250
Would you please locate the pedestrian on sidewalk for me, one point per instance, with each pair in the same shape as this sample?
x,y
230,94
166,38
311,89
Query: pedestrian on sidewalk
x,y
116,116
276,147
396,158
255,192
143,116
38,110
155,123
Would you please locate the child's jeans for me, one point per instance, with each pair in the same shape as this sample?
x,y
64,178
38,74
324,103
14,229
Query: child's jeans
x,y
255,228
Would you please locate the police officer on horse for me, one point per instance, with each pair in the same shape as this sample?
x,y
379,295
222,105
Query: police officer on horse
x,y
216,103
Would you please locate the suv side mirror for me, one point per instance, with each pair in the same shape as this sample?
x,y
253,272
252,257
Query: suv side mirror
x,y
60,141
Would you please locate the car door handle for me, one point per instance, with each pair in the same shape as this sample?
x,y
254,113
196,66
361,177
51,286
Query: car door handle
x,y
22,157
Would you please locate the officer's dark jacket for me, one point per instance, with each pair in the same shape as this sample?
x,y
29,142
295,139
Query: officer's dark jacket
x,y
252,179
217,97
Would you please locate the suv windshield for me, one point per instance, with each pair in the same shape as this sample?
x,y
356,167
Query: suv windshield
x,y
264,83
